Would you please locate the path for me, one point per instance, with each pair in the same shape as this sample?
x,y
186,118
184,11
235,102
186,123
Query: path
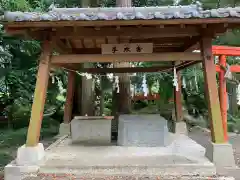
x,y
202,137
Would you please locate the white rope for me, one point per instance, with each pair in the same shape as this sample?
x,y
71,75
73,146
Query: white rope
x,y
228,73
196,83
184,83
117,84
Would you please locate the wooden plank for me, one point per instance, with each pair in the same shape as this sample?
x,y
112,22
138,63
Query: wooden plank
x,y
81,58
127,48
45,24
214,110
98,50
39,96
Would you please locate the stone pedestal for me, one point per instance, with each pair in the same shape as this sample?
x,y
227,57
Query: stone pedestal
x,y
26,164
221,154
93,131
143,130
64,129
30,155
181,128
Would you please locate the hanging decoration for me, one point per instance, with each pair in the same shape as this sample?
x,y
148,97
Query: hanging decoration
x,y
196,82
228,73
117,83
238,94
144,86
175,79
158,85
87,75
190,84
184,82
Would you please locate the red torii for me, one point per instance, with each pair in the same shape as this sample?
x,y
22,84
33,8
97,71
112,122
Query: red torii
x,y
222,52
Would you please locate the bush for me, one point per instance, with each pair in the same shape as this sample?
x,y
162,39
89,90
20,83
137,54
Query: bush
x,y
5,158
139,105
13,137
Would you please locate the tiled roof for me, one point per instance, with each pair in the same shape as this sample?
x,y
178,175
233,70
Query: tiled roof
x,y
124,13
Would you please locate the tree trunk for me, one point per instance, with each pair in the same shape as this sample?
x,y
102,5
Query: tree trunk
x,y
101,94
84,94
124,101
88,106
123,98
123,3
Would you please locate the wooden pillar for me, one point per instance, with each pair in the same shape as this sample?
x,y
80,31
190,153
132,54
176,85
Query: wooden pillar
x,y
178,99
69,98
214,110
223,95
39,96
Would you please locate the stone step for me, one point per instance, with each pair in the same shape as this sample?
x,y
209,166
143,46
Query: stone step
x,y
168,170
124,177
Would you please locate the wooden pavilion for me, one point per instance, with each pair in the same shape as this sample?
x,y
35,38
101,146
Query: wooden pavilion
x,y
166,34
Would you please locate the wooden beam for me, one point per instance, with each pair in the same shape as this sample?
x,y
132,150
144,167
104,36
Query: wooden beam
x,y
223,95
98,50
39,96
214,110
45,24
186,64
124,69
174,56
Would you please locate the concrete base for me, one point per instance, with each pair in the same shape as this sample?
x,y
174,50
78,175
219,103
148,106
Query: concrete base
x,y
64,129
91,131
26,164
30,156
221,155
15,172
181,128
182,158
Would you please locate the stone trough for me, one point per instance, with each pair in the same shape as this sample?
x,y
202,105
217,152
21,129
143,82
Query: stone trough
x,y
143,130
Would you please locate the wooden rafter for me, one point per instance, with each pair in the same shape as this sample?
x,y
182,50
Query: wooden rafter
x,y
144,32
60,46
189,44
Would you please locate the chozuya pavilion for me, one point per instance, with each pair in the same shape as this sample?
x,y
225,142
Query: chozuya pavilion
x,y
83,35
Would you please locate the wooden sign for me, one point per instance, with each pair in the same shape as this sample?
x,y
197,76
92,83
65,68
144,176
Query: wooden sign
x,y
131,48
